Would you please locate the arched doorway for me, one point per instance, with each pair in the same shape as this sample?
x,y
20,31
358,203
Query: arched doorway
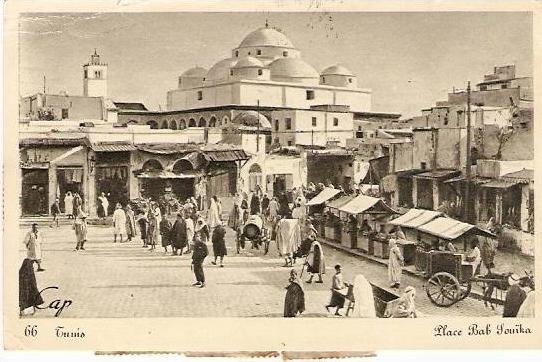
x,y
35,191
150,184
173,125
165,124
183,188
212,122
202,122
182,124
255,177
153,124
191,122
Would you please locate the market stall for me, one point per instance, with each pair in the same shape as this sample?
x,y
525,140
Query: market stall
x,y
316,205
333,220
362,210
409,223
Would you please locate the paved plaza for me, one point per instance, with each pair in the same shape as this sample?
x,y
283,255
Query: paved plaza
x,y
126,280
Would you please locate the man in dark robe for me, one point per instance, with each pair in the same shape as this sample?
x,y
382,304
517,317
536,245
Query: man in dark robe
x,y
29,295
265,204
219,244
178,235
515,295
255,204
294,302
198,256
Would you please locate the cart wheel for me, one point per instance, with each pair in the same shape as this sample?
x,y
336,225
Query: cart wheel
x,y
465,290
443,289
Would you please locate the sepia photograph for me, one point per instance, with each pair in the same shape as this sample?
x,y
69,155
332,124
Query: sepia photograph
x,y
322,165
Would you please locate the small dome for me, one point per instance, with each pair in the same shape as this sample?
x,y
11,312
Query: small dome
x,y
196,72
292,68
266,37
221,70
248,62
337,70
251,119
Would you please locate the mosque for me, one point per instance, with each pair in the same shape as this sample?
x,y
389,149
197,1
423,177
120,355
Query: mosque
x,y
267,69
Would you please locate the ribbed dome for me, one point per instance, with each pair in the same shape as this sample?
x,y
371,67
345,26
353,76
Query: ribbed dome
x,y
196,72
221,70
266,37
337,69
292,68
248,62
251,118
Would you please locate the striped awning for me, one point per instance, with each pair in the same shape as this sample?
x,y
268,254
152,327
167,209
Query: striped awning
x,y
164,174
113,147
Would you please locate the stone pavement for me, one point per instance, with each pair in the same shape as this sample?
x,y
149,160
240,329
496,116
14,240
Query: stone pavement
x,y
126,280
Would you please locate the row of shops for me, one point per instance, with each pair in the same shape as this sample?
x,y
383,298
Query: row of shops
x,y
367,224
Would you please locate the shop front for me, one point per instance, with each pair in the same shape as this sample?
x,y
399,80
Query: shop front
x,y
112,177
35,191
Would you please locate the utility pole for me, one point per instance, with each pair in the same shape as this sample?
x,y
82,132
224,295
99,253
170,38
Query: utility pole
x,y
44,84
258,127
469,162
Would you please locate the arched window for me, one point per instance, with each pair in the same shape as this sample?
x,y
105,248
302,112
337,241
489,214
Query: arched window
x,y
182,124
191,122
202,122
173,125
225,120
254,177
164,124
152,165
237,53
212,122
153,124
260,72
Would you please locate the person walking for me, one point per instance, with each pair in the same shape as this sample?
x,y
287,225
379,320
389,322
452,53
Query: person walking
x,y
395,264
68,205
178,235
55,211
165,233
213,215
219,244
119,223
198,256
131,230
265,205
189,232
103,206
294,302
338,291
255,204
80,226
77,205
155,217
29,294
202,229
143,223
315,262
33,241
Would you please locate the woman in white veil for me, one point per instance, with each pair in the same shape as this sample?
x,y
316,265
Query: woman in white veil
x,y
363,295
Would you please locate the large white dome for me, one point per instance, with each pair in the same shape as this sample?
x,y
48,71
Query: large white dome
x,y
337,69
292,68
221,70
196,72
248,62
266,37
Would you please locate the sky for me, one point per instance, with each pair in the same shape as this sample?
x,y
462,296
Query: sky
x,y
409,60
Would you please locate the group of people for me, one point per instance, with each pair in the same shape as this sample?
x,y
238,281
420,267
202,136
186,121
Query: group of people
x,y
73,204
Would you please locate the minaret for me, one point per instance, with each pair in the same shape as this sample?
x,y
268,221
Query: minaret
x,y
95,77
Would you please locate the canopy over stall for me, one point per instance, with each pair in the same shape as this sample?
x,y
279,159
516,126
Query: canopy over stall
x,y
366,204
451,229
334,205
324,195
415,218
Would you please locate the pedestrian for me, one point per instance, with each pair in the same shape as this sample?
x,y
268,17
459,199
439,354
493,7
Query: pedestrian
x,y
213,214
189,232
103,206
255,204
198,256
143,223
515,296
338,291
131,230
55,211
315,262
474,258
119,223
29,294
77,205
265,205
68,204
488,250
219,244
244,207
178,235
165,233
80,226
527,308
294,302
33,241
395,263
406,305
202,229
155,217
362,291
